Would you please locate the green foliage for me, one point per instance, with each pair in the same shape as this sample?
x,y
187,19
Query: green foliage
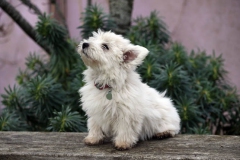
x,y
196,84
150,29
44,95
46,85
47,98
200,130
11,120
35,63
66,120
63,52
205,101
93,19
11,117
10,99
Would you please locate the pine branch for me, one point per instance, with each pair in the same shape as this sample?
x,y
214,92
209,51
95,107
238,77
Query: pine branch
x,y
32,6
18,18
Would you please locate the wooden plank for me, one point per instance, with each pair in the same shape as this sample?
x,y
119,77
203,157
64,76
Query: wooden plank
x,y
50,145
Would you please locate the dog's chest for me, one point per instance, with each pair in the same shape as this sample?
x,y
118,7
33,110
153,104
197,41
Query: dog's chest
x,y
95,101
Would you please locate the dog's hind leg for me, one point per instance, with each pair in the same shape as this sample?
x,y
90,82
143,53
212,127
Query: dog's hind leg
x,y
166,130
163,135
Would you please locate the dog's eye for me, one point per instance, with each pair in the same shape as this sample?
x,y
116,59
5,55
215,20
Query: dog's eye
x,y
104,46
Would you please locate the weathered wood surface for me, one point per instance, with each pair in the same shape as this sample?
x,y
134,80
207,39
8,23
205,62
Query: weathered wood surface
x,y
48,146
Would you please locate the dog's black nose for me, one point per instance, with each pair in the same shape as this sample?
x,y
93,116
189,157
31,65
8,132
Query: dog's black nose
x,y
85,45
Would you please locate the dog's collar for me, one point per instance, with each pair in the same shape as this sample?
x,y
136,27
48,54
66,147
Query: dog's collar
x,y
101,87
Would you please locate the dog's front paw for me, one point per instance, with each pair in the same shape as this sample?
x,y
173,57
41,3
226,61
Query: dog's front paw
x,y
121,146
92,141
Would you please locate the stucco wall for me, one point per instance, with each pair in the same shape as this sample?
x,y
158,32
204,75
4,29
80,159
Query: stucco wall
x,y
198,24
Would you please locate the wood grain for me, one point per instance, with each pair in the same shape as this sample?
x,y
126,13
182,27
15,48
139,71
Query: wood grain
x,y
55,145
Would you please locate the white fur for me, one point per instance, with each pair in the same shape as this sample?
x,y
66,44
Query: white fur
x,y
136,110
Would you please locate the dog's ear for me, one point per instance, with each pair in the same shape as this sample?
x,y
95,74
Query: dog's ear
x,y
134,54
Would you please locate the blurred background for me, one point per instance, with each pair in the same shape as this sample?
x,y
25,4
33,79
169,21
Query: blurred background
x,y
207,25
46,81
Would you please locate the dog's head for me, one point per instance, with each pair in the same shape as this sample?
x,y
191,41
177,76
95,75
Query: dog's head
x,y
106,50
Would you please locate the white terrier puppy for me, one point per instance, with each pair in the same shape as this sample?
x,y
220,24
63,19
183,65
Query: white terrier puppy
x,y
117,103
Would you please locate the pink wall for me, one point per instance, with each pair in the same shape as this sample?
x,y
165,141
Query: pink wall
x,y
210,25
198,24
16,45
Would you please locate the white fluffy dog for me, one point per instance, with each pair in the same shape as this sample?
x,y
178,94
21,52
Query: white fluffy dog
x,y
117,103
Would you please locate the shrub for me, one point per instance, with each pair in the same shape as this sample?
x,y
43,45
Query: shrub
x,y
46,97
